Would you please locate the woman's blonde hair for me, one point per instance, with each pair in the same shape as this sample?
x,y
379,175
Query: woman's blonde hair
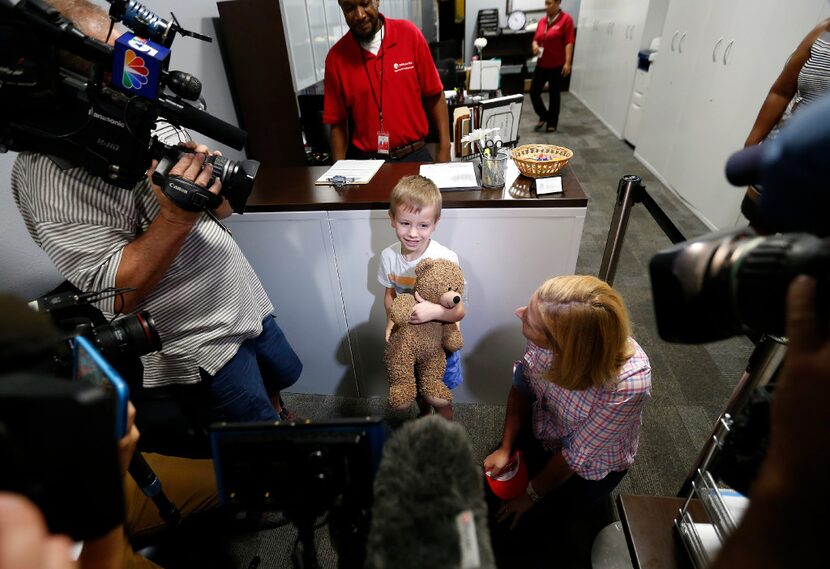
x,y
586,324
415,193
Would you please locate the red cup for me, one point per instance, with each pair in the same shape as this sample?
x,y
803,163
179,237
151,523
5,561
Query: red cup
x,y
512,481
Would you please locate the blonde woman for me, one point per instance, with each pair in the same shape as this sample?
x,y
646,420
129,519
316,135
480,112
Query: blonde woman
x,y
574,409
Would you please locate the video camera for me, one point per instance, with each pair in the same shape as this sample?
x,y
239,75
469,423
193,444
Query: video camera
x,y
121,341
80,100
58,438
734,282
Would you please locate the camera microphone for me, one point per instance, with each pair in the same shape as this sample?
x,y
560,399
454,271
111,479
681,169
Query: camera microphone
x,y
150,486
744,168
428,470
791,172
191,117
184,85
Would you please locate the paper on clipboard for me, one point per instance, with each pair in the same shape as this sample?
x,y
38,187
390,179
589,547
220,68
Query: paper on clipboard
x,y
352,171
452,175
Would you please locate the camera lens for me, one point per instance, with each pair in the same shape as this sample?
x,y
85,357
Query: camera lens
x,y
237,177
129,336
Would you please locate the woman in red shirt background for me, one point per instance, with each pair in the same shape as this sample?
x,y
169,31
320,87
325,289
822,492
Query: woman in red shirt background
x,y
554,44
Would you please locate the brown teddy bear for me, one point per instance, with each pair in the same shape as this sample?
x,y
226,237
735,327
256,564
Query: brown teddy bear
x,y
420,347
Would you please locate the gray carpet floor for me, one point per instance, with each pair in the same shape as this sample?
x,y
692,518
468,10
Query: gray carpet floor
x,y
690,383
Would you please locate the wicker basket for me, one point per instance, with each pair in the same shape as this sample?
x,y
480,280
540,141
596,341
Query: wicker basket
x,y
541,160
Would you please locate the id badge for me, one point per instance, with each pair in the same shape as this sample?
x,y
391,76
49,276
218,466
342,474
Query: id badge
x,y
383,142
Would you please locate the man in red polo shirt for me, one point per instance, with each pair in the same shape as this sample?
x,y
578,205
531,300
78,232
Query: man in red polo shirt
x,y
376,77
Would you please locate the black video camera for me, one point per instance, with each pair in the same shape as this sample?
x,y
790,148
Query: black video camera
x,y
57,448
734,282
121,341
82,101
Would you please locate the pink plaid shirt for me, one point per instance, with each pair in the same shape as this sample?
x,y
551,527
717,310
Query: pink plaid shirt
x,y
598,429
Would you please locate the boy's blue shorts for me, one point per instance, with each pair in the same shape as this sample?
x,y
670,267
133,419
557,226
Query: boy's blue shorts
x,y
452,376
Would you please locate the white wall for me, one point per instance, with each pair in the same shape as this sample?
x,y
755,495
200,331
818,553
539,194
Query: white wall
x,y
26,270
471,15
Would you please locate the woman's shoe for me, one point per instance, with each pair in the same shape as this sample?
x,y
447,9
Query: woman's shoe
x,y
540,126
550,130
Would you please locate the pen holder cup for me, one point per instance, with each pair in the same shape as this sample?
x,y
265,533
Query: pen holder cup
x,y
492,170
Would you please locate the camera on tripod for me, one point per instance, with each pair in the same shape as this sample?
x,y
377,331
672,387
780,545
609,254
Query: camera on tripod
x,y
736,282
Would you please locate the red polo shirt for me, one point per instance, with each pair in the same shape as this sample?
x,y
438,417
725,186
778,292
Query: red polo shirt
x,y
554,40
408,74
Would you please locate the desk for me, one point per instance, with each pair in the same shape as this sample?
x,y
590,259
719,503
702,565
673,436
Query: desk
x,y
648,523
316,250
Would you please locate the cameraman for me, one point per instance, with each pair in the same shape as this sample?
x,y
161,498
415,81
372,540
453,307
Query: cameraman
x,y
212,313
782,527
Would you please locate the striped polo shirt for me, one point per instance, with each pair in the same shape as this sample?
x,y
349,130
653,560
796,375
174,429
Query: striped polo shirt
x,y
207,303
596,429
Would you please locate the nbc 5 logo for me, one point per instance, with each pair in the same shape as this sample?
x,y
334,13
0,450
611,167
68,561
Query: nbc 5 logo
x,y
139,44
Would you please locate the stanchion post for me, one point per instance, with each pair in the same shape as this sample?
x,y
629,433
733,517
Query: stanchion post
x,y
626,198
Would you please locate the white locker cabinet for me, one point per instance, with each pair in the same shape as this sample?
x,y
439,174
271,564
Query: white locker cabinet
x,y
707,90
638,100
605,57
671,83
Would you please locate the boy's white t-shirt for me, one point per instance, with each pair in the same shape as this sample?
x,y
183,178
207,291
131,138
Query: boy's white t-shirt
x,y
398,273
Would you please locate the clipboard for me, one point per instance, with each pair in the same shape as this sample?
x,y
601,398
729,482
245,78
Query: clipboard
x,y
347,172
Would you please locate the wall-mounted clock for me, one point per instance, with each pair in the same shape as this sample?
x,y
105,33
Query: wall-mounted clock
x,y
516,20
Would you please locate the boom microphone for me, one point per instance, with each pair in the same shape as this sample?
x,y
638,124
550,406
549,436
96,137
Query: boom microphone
x,y
429,490
744,168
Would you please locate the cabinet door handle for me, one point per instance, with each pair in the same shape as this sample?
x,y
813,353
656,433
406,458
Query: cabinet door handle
x,y
715,49
680,43
727,51
674,37
631,33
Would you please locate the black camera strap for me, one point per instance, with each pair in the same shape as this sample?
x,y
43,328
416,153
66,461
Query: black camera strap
x,y
190,196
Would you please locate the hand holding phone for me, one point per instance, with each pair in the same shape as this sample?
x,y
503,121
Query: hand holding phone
x,y
91,367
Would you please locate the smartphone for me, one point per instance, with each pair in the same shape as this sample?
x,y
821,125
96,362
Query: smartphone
x,y
91,367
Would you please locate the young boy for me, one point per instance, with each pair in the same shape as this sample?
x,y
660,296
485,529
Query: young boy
x,y
414,209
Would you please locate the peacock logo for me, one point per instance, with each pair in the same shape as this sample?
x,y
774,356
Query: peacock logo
x,y
135,72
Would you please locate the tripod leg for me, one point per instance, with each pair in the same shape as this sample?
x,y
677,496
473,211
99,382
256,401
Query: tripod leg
x,y
761,370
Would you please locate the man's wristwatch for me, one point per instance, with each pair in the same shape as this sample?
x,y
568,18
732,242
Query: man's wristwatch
x,y
532,493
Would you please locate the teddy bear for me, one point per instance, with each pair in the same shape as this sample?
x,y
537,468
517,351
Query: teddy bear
x,y
414,357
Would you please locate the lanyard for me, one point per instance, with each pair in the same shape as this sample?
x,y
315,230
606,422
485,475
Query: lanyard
x,y
549,26
382,51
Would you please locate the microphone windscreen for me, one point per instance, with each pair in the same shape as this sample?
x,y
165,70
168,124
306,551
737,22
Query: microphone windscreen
x,y
745,167
427,481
